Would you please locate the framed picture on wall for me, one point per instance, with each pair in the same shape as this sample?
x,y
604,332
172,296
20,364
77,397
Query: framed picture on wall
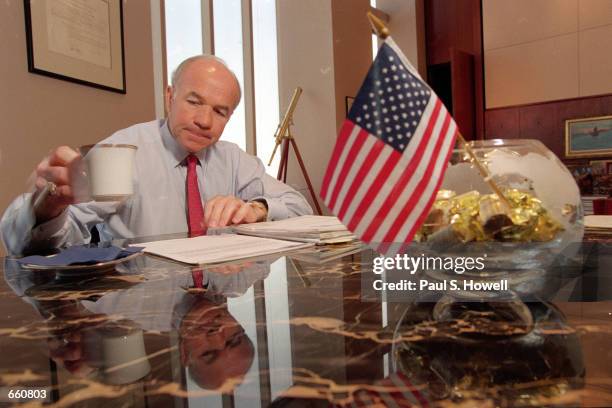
x,y
588,137
77,40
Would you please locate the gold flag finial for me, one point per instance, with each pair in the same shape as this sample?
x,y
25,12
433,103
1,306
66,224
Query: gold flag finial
x,y
378,26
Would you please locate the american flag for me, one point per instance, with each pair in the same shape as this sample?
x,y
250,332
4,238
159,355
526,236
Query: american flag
x,y
391,154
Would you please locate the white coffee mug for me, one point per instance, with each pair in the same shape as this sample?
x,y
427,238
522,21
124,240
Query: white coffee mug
x,y
109,170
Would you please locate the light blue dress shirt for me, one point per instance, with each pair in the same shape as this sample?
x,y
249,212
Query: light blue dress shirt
x,y
158,203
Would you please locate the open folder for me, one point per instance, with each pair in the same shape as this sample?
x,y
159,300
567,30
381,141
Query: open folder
x,y
317,229
217,248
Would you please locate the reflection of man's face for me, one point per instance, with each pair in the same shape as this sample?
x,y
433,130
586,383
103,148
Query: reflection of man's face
x,y
213,345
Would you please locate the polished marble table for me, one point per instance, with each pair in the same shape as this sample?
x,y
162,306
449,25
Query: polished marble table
x,y
292,330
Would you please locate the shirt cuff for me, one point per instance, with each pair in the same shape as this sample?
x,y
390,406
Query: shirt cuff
x,y
276,209
48,229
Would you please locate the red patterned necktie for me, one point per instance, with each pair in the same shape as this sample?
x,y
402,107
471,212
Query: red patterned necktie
x,y
195,211
198,278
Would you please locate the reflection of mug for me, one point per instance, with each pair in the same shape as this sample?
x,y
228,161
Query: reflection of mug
x,y
109,170
118,351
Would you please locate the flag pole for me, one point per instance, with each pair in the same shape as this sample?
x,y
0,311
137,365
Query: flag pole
x,y
381,30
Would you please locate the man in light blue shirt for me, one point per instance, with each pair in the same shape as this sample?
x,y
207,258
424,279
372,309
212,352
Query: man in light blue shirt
x,y
233,185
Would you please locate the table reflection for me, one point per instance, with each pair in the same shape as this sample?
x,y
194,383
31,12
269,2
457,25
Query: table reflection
x,y
296,329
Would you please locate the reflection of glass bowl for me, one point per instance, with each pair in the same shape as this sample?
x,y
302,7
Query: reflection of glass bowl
x,y
509,353
527,166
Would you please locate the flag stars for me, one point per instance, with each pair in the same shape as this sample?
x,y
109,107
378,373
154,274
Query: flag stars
x,y
391,102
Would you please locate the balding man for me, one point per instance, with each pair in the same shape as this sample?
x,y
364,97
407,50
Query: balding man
x,y
175,157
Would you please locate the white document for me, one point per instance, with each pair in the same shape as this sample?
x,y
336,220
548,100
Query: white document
x,y
303,224
80,29
307,228
217,248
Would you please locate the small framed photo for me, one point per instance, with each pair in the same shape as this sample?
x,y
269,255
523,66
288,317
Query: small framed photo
x,y
77,40
589,137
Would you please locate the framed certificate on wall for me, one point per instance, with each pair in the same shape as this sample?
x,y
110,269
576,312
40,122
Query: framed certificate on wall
x,y
77,40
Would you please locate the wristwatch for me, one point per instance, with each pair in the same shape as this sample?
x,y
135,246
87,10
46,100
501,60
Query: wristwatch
x,y
261,209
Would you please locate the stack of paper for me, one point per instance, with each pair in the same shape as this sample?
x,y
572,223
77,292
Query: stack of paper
x,y
326,253
598,224
307,228
217,248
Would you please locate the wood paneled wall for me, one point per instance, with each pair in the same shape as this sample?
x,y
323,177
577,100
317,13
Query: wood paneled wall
x,y
456,25
544,121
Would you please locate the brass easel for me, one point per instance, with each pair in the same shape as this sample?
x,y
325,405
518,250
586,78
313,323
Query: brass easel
x,y
283,135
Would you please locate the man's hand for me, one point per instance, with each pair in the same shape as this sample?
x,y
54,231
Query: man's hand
x,y
221,211
59,168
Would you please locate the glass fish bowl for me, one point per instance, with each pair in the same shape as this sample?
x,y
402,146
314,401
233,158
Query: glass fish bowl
x,y
522,236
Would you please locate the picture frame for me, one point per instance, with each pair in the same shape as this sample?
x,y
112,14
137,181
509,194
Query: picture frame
x,y
80,41
588,137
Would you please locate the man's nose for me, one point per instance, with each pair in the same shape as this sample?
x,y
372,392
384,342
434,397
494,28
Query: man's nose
x,y
203,118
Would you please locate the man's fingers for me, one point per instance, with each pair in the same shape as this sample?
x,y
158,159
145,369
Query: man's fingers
x,y
56,174
217,212
63,156
231,206
208,209
241,214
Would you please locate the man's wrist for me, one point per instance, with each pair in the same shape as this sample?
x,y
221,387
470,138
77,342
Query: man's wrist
x,y
260,209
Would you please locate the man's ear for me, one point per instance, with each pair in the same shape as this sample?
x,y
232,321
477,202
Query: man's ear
x,y
168,98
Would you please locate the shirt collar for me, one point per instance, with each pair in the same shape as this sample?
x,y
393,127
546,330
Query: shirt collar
x,y
176,152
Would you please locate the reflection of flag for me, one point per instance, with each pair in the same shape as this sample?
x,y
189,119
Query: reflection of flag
x,y
391,153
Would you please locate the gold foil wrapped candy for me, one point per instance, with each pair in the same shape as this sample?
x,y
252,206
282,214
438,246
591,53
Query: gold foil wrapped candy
x,y
484,217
